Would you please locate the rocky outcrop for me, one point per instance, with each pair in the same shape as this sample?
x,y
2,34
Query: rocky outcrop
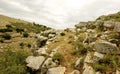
x,y
97,56
105,47
56,70
41,51
35,62
117,27
41,41
109,24
81,25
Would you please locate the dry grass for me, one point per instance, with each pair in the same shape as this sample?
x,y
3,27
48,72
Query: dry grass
x,y
65,48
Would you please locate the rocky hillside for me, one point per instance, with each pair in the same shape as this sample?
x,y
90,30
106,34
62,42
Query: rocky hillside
x,y
91,47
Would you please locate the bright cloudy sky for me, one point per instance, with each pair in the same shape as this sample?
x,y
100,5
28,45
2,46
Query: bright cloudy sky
x,y
58,13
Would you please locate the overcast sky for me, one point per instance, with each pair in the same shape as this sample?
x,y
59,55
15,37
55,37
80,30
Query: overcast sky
x,y
58,13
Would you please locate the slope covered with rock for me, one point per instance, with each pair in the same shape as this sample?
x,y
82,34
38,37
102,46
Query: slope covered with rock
x,y
91,47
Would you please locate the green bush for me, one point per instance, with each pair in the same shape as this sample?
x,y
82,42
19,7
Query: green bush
x,y
62,34
58,56
6,37
99,67
8,26
29,45
13,62
6,30
19,30
2,40
25,34
108,61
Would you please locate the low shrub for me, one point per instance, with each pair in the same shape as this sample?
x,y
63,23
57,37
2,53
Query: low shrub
x,y
58,56
1,40
22,45
25,34
8,26
19,30
99,67
80,49
6,30
29,45
62,34
6,37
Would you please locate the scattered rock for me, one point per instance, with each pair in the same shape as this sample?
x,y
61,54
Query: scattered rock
x,y
88,58
97,56
98,73
117,27
41,51
35,62
49,63
109,24
41,41
117,72
56,70
78,62
88,69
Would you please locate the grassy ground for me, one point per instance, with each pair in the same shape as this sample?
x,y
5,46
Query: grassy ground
x,y
65,48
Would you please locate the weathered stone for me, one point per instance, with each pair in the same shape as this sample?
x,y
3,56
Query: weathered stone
x,y
90,37
97,56
49,63
99,22
98,73
105,47
41,41
81,25
88,69
117,27
46,33
41,51
75,72
109,24
56,70
78,62
51,36
34,62
54,51
117,72
88,58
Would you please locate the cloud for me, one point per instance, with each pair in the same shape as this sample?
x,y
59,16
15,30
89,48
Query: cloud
x,y
58,13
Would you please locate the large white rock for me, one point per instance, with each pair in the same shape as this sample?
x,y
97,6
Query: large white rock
x,y
88,69
117,27
42,51
105,47
56,70
35,62
109,24
97,56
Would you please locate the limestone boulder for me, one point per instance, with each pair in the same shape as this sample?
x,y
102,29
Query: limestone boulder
x,y
35,62
105,47
56,70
